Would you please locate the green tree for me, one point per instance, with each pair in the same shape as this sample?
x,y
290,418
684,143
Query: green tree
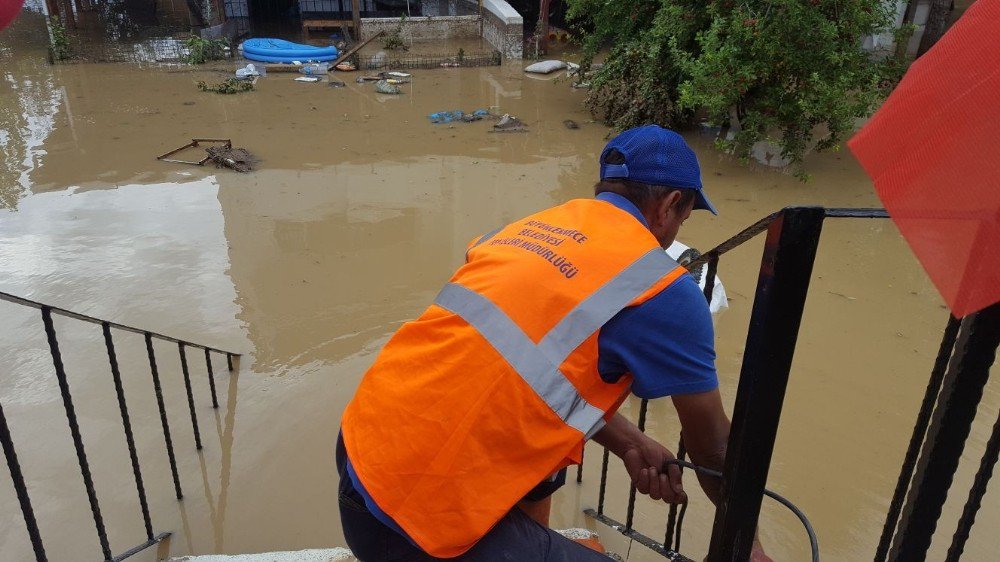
x,y
790,71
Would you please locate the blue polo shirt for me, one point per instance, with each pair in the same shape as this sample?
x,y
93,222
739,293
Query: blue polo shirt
x,y
667,343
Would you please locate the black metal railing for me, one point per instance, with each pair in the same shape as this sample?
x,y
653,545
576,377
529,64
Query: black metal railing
x,y
786,268
10,453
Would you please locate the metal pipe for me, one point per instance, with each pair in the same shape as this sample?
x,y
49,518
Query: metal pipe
x,y
737,240
917,438
961,392
163,414
604,482
857,213
630,512
140,547
17,477
127,426
190,395
74,429
712,270
640,538
211,378
674,521
579,467
785,271
976,493
70,314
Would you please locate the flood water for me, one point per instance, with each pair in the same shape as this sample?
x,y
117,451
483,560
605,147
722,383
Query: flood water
x,y
359,212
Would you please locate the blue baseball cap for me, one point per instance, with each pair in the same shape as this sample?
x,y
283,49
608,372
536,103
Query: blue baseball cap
x,y
656,156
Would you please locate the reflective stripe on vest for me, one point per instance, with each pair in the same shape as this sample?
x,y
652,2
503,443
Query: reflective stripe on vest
x,y
538,365
484,238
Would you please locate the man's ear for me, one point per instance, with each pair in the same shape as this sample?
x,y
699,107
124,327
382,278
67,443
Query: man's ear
x,y
666,204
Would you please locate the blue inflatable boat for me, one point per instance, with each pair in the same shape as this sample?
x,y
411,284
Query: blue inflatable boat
x,y
279,50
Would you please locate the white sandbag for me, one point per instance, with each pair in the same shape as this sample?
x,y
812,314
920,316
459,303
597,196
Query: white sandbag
x,y
545,66
719,302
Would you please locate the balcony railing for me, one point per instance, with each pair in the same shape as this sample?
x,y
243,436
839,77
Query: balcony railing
x,y
968,349
107,327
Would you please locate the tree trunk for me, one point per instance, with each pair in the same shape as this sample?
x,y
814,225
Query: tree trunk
x,y
543,25
911,10
937,24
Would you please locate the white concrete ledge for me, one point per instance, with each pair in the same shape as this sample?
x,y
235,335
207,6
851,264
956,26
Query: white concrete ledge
x,y
504,11
314,555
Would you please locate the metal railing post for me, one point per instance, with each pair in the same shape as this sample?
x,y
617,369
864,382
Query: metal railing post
x,y
74,429
579,467
163,415
21,489
17,477
674,520
602,489
975,352
190,395
211,378
630,510
127,426
785,271
976,493
917,438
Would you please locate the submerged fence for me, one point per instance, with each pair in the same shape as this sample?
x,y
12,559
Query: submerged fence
x,y
968,350
6,441
380,61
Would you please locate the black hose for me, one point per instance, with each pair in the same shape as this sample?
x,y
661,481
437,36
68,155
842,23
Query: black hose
x,y
813,542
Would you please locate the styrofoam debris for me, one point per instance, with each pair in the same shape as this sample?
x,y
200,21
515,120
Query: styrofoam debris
x,y
578,534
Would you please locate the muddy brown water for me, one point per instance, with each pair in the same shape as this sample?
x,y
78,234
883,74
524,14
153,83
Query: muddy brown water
x,y
360,210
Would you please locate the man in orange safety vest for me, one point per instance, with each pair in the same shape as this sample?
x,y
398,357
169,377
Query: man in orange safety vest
x,y
465,424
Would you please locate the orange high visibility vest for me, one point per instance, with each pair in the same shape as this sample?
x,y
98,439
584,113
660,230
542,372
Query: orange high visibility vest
x,y
495,386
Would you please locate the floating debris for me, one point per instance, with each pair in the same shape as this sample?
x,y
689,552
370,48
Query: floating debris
x,y
545,67
570,124
307,79
228,86
509,124
248,71
384,87
337,84
458,115
238,159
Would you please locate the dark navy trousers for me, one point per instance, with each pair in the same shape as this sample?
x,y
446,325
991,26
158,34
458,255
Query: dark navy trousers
x,y
516,538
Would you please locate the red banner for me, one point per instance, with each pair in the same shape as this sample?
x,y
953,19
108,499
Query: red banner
x,y
8,11
933,152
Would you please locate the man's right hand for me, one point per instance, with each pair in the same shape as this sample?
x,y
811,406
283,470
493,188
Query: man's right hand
x,y
644,459
644,462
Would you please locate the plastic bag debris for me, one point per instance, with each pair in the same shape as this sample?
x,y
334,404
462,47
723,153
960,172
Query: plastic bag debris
x,y
457,115
545,66
249,71
509,124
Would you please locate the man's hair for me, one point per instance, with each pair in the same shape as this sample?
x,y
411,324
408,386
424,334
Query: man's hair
x,y
640,194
